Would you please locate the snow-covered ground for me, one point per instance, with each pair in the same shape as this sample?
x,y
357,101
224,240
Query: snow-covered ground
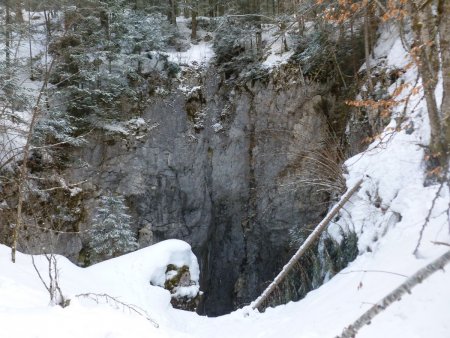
x,y
387,213
130,279
275,53
199,54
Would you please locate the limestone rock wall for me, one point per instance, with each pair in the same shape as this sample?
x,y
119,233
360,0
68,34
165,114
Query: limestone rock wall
x,y
218,165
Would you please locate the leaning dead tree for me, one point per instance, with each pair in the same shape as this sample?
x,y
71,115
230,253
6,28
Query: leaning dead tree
x,y
395,295
305,246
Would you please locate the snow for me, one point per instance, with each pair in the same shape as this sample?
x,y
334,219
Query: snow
x,y
198,54
275,59
127,128
127,278
116,128
217,127
189,91
387,214
186,291
201,53
75,191
275,53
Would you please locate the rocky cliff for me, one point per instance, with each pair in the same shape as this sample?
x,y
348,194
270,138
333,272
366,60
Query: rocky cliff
x,y
218,164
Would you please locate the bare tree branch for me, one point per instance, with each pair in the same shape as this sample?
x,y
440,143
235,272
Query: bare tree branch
x,y
108,299
52,286
427,218
376,271
441,243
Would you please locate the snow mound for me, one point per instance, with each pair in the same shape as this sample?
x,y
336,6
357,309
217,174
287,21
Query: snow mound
x,y
23,298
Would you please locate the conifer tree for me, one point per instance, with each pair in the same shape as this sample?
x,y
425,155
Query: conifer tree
x,y
111,233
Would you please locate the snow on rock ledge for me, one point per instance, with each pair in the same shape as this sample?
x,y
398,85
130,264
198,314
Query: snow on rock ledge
x,y
173,252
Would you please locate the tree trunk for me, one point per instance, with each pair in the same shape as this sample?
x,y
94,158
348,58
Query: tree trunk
x,y
47,23
138,5
354,49
174,12
30,45
305,246
256,10
427,59
367,49
194,13
18,12
444,34
23,172
8,33
212,8
220,9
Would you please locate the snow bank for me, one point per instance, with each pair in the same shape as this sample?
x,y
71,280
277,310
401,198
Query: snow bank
x,y
23,298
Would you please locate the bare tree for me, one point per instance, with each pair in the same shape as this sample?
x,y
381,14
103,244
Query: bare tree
x,y
23,173
52,283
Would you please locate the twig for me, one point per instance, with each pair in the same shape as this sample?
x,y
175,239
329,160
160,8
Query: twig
x,y
131,307
39,274
427,219
383,8
378,271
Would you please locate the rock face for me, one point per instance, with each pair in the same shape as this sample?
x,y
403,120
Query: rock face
x,y
217,164
185,293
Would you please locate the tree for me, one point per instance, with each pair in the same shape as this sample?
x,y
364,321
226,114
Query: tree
x,y
444,32
429,24
429,49
259,302
425,52
111,233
